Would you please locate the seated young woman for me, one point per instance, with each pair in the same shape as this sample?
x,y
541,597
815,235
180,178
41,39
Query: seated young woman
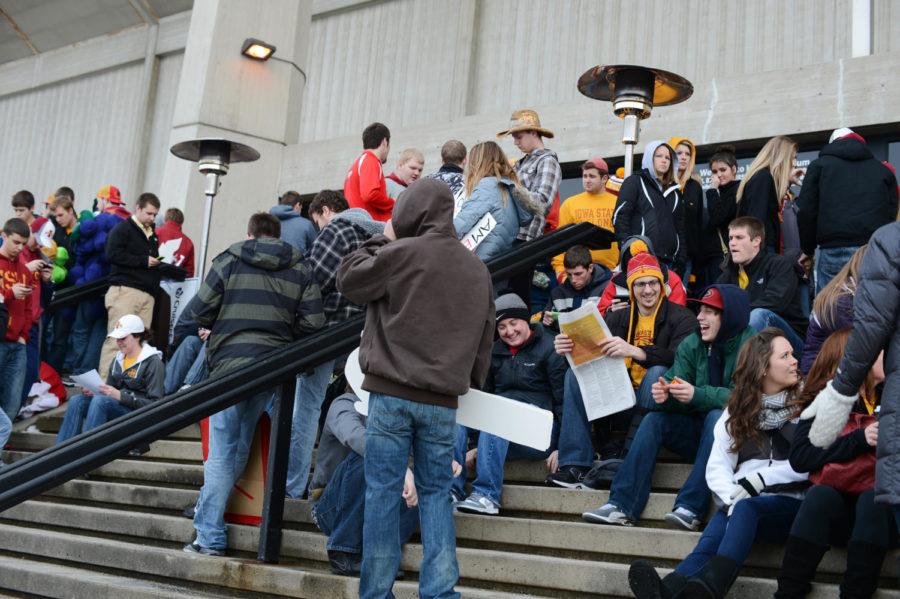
x,y
135,378
840,509
755,489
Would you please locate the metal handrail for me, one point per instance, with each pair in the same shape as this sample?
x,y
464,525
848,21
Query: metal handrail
x,y
56,465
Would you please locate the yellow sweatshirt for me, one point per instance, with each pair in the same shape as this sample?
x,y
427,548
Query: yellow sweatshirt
x,y
597,209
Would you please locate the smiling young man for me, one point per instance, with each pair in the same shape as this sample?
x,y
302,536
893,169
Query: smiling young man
x,y
646,336
770,280
687,402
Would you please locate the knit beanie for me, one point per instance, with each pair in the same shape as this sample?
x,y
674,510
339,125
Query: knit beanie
x,y
643,265
511,305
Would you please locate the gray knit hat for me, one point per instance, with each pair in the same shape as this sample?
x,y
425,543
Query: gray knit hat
x,y
511,305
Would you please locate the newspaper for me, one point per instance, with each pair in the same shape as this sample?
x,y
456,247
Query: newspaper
x,y
604,382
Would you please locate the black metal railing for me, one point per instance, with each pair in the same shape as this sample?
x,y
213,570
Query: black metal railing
x,y
56,465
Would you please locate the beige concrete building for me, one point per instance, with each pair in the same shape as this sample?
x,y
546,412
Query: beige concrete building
x,y
95,92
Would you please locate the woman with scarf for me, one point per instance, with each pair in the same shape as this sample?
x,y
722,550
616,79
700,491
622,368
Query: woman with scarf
x,y
840,509
756,489
650,204
692,197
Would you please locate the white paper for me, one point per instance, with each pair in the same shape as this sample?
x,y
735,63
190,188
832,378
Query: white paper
x,y
167,250
90,380
479,232
507,418
604,382
180,293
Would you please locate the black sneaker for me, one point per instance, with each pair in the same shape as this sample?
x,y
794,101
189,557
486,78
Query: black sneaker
x,y
343,563
601,475
568,476
189,512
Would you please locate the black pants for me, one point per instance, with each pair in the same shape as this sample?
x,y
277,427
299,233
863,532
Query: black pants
x,y
828,517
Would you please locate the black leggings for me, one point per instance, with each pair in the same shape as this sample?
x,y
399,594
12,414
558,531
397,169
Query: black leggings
x,y
828,517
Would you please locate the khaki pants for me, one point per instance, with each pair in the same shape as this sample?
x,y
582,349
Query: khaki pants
x,y
119,302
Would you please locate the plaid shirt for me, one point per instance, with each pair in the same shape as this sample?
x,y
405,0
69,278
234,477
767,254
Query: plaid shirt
x,y
338,239
540,174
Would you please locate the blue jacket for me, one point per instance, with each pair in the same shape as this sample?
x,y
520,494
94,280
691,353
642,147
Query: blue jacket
x,y
488,197
296,230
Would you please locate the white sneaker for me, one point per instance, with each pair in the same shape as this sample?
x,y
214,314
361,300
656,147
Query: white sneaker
x,y
478,504
684,518
607,514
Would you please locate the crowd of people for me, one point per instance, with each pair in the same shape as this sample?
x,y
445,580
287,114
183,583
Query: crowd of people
x,y
758,330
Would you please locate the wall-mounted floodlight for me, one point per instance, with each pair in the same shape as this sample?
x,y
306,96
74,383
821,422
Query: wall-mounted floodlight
x,y
257,49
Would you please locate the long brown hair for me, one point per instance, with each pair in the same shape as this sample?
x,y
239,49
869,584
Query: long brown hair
x,y
825,367
778,155
843,283
487,160
744,406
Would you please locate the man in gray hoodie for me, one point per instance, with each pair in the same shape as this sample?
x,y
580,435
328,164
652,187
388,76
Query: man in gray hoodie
x,y
428,334
295,229
343,231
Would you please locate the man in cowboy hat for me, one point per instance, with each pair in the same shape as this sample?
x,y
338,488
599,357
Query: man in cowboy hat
x,y
538,169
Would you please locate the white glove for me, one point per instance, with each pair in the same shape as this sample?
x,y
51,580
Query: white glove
x,y
830,410
749,486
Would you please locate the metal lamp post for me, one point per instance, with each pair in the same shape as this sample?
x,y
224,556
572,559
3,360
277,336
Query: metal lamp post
x,y
633,91
213,156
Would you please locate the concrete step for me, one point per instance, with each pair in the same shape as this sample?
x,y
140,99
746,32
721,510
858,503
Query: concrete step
x,y
166,449
220,577
50,422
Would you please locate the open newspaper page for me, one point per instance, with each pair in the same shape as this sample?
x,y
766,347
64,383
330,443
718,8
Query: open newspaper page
x,y
604,382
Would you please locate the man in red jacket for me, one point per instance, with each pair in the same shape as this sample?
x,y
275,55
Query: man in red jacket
x,y
171,229
16,288
364,186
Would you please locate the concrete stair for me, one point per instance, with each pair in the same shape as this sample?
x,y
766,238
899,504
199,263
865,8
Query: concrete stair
x,y
119,534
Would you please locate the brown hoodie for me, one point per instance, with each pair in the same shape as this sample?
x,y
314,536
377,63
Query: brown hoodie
x,y
430,314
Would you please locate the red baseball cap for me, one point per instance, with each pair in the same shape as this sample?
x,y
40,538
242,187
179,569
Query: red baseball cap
x,y
712,298
597,163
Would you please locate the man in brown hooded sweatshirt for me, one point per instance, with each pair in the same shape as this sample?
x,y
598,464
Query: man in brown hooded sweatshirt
x,y
428,334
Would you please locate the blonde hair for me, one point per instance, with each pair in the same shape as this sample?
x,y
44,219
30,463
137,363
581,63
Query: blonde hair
x,y
488,160
410,154
778,156
843,283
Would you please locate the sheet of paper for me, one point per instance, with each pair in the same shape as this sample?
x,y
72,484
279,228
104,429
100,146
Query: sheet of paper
x,y
90,380
167,250
479,232
604,382
512,420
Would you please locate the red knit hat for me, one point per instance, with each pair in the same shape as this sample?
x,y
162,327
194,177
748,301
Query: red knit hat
x,y
643,265
711,297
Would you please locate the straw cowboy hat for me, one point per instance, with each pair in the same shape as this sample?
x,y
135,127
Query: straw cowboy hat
x,y
525,120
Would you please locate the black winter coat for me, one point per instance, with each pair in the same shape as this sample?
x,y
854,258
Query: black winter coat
x,y
847,194
673,324
692,196
760,200
806,457
642,208
774,285
127,251
876,327
717,209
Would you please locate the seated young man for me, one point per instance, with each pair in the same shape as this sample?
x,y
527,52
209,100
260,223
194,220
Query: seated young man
x,y
187,366
339,487
584,282
615,295
689,400
524,367
647,336
770,280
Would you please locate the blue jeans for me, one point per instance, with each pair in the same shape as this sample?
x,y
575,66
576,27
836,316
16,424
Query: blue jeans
x,y
308,397
339,512
395,426
767,517
761,318
575,448
230,435
84,413
181,362
32,362
829,261
5,431
12,377
86,339
493,452
688,435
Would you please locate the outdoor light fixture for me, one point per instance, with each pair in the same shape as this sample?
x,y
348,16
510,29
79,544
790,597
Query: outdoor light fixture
x,y
633,91
213,156
257,49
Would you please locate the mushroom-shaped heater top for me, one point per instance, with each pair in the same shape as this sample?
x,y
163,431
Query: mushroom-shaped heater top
x,y
634,89
214,154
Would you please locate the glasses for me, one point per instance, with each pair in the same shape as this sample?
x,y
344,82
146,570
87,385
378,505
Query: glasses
x,y
647,284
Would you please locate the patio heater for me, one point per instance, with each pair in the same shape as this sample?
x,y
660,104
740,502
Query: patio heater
x,y
633,91
213,157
